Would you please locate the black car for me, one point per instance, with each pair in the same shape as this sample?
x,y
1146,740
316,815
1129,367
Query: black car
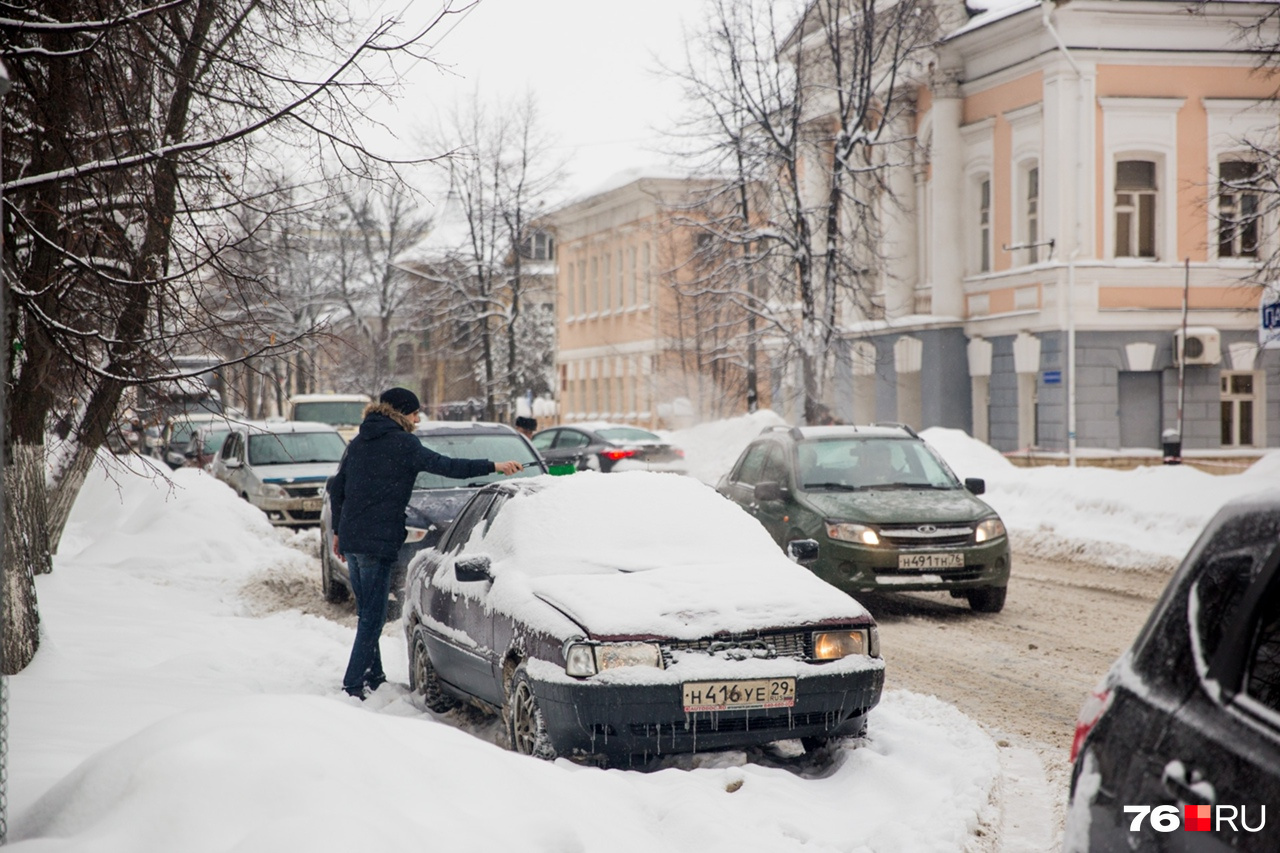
x,y
436,500
623,617
1179,746
608,447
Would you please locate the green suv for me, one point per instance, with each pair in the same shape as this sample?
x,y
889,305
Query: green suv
x,y
884,508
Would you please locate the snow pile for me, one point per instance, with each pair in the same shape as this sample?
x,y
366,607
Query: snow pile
x,y
160,715
711,449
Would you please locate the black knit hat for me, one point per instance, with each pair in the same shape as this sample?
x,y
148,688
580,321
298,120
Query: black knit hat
x,y
401,399
526,423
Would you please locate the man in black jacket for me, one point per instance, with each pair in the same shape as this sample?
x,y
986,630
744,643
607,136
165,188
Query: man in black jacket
x,y
367,500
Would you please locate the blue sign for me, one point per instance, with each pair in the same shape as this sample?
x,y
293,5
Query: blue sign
x,y
1051,377
1269,331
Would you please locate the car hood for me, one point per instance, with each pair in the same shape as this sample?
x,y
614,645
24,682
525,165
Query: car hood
x,y
899,506
687,602
296,473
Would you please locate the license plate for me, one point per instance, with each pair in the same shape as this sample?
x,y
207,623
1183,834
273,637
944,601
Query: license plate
x,y
312,504
739,695
931,561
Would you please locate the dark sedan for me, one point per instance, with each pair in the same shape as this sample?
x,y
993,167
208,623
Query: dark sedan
x,y
436,500
1179,746
624,617
608,447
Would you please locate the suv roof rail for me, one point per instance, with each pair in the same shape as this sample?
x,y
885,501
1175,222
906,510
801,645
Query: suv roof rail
x,y
794,431
908,430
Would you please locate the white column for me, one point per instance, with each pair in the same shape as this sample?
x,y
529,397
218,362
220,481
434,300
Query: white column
x,y
947,234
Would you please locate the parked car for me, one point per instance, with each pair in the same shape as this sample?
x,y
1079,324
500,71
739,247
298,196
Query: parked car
x,y
608,447
205,444
175,438
280,467
632,616
1186,725
435,500
887,512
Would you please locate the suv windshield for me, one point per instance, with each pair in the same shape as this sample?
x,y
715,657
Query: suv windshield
x,y
330,412
288,448
499,448
848,464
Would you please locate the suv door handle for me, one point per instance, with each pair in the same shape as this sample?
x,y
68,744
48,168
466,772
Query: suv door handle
x,y
1189,786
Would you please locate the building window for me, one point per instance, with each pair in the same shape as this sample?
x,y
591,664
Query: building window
x,y
606,284
1237,209
582,287
595,285
984,225
570,292
1239,402
1135,209
1033,214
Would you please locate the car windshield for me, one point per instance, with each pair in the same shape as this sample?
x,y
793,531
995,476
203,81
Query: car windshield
x,y
498,448
288,448
330,412
626,434
852,464
180,432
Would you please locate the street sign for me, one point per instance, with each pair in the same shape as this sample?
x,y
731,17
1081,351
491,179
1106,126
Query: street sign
x,y
1269,323
1051,377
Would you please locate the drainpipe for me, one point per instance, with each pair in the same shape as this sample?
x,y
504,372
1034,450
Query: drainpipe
x,y
1046,8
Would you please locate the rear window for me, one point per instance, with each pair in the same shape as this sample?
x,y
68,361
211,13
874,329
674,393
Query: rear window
x,y
496,448
626,434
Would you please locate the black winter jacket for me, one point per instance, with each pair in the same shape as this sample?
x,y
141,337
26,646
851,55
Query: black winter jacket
x,y
368,495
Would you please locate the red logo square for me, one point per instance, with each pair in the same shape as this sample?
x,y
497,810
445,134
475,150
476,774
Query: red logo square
x,y
1197,818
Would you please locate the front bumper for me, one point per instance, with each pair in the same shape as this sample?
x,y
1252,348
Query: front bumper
x,y
641,720
855,568
294,512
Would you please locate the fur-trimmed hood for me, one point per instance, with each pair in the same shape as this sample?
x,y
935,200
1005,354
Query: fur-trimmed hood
x,y
376,408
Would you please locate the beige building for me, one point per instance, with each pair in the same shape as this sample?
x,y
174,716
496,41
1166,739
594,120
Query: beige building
x,y
1069,163
627,346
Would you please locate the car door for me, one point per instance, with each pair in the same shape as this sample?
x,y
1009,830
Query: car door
x,y
463,652
1221,749
745,476
776,514
571,447
232,462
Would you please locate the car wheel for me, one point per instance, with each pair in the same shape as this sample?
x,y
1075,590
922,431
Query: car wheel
x,y
525,724
334,592
815,743
988,599
423,680
590,462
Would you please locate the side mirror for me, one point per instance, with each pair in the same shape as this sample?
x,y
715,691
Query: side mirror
x,y
472,569
768,492
977,485
233,463
803,551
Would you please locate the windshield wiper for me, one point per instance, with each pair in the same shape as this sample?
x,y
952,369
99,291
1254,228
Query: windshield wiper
x,y
840,487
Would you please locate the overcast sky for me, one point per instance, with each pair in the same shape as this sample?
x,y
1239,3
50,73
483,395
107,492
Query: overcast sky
x,y
592,66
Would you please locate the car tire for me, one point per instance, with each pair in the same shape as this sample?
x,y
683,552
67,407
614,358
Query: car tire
x,y
987,599
334,591
526,727
423,680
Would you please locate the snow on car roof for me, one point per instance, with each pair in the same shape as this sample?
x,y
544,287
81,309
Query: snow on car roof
x,y
641,552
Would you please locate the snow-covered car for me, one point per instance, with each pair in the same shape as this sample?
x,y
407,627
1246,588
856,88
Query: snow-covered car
x,y
608,447
633,615
1179,746
280,467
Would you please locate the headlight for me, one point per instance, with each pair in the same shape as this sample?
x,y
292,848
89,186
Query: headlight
x,y
583,659
988,529
579,659
271,490
414,534
614,655
847,531
833,645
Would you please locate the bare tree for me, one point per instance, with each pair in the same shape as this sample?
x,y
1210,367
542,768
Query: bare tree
x,y
804,103
132,129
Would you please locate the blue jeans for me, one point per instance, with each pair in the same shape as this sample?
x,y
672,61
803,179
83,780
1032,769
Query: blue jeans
x,y
371,583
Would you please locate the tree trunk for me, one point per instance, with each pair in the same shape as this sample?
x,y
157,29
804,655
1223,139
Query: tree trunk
x,y
63,493
26,552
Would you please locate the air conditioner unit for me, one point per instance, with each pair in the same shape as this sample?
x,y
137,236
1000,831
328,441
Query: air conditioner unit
x,y
1203,346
